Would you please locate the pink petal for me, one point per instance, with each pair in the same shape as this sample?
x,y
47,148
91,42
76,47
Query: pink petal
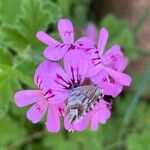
x,y
45,38
76,65
109,88
95,63
53,119
66,31
94,70
91,32
37,111
27,97
120,63
103,37
85,43
104,112
114,58
100,77
113,89
68,126
59,97
121,78
55,52
42,71
99,115
49,71
78,126
94,121
82,125
55,77
53,81
115,49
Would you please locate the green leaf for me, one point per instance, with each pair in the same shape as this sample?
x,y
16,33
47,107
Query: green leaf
x,y
10,131
140,90
9,11
6,93
51,141
65,6
32,19
13,38
10,83
139,141
120,33
5,57
24,78
53,10
34,16
80,21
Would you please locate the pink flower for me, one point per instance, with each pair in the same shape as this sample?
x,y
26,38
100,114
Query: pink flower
x,y
106,69
56,50
41,104
63,92
43,99
64,80
54,86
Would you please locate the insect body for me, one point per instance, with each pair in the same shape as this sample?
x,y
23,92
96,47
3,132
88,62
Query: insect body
x,y
82,100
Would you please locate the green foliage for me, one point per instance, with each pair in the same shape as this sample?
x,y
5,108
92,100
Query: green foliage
x,y
34,16
11,131
9,11
120,33
139,138
139,142
21,51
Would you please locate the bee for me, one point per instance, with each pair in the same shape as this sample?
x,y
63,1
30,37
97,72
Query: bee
x,y
82,100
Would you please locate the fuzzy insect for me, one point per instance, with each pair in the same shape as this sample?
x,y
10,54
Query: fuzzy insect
x,y
82,100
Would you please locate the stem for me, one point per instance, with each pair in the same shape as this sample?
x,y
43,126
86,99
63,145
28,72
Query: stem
x,y
143,51
141,20
145,79
114,145
26,140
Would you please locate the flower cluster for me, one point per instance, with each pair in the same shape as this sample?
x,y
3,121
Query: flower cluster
x,y
81,87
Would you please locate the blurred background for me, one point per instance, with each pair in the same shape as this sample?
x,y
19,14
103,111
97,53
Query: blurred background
x,y
128,22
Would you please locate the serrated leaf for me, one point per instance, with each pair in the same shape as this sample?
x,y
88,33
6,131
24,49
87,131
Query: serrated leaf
x,y
53,10
33,19
6,92
26,66
5,57
11,37
10,83
24,78
9,11
34,16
